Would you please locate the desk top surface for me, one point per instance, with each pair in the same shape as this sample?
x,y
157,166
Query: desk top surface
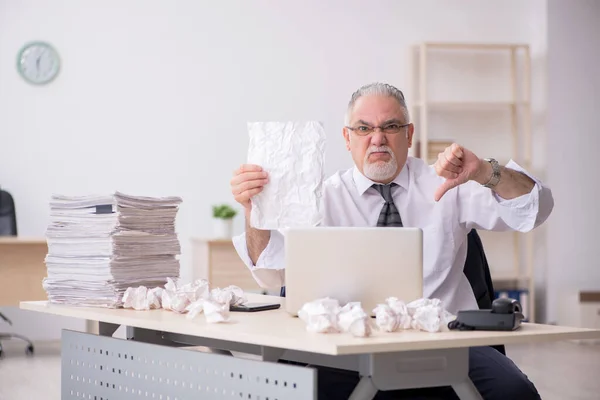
x,y
21,240
276,328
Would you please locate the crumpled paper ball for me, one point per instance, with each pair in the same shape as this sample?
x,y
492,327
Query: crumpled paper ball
x,y
321,315
423,314
419,303
195,308
216,303
199,289
154,298
232,295
402,312
385,318
353,319
178,298
168,293
216,312
429,315
142,298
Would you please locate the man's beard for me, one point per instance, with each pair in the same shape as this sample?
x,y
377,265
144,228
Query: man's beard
x,y
380,170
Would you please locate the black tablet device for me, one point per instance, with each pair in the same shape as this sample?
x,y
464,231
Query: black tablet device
x,y
252,307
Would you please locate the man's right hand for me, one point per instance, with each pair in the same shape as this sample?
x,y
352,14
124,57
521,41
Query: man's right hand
x,y
248,180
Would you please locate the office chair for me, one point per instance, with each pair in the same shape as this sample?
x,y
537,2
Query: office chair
x,y
477,271
8,227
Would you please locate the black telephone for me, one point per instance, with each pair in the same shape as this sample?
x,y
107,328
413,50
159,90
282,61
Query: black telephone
x,y
506,315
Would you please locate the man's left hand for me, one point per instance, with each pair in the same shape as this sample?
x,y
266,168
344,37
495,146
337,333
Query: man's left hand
x,y
458,165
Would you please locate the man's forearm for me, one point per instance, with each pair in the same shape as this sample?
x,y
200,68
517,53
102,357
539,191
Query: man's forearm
x,y
256,240
512,183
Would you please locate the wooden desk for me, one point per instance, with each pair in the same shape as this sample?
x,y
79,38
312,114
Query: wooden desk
x,y
217,261
22,269
274,335
276,328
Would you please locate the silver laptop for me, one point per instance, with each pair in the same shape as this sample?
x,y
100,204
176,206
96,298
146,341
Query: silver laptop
x,y
352,264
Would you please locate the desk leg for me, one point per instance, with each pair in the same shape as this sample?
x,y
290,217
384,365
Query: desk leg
x,y
466,390
106,329
365,390
91,326
416,369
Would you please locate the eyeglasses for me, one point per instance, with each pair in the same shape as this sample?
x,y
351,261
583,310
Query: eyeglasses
x,y
365,130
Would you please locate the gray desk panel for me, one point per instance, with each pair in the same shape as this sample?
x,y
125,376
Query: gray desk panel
x,y
105,368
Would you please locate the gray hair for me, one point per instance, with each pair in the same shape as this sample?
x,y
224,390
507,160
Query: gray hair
x,y
378,89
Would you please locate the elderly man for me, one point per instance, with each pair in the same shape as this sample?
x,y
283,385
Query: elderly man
x,y
388,188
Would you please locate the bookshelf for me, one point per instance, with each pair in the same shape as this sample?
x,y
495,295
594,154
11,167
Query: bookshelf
x,y
479,95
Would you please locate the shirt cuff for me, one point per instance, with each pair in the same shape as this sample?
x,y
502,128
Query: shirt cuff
x,y
269,270
520,212
527,200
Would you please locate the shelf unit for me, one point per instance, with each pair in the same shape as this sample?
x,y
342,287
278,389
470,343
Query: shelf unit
x,y
516,104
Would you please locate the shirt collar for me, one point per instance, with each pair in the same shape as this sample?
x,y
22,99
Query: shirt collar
x,y
363,183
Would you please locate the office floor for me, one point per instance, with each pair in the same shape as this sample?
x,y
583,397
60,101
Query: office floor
x,y
560,370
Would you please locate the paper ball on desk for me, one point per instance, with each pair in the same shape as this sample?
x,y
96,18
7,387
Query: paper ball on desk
x,y
385,318
402,312
232,295
321,315
154,297
353,319
215,312
195,308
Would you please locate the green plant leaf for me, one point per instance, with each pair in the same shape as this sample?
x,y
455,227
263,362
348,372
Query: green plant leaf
x,y
223,211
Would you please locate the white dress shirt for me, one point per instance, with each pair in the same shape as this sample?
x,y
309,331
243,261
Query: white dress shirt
x,y
349,200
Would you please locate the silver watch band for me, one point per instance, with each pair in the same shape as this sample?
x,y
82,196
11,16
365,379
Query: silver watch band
x,y
495,178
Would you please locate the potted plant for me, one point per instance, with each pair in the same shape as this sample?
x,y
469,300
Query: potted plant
x,y
223,220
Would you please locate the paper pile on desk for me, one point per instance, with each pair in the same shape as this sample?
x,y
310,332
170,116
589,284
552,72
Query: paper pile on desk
x,y
327,316
98,246
190,298
292,153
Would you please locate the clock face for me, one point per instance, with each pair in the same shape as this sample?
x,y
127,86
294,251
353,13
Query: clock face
x,y
38,63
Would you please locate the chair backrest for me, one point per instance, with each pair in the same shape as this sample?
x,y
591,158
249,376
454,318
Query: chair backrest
x,y
8,214
477,271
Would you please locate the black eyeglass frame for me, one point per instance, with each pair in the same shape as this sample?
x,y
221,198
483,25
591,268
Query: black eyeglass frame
x,y
372,129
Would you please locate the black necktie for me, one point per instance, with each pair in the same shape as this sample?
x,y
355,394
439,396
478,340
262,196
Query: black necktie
x,y
389,215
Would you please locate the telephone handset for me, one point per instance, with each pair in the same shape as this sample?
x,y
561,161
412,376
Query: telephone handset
x,y
506,315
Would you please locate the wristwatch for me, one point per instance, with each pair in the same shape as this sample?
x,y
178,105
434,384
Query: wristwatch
x,y
495,178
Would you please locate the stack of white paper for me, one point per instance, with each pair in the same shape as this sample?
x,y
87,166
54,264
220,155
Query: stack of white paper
x,y
98,246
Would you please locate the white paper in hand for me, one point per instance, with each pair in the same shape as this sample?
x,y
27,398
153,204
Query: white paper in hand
x,y
293,154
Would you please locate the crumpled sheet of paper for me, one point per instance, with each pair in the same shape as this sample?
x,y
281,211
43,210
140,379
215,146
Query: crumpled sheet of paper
x,y
216,305
178,298
142,298
191,298
354,320
326,316
292,153
321,315
393,315
423,314
215,311
232,295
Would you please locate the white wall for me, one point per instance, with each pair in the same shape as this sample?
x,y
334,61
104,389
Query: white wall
x,y
153,96
573,143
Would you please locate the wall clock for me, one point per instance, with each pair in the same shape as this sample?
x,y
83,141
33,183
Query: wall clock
x,y
38,63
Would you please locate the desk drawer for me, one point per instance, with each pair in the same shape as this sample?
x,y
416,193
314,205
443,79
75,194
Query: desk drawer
x,y
22,269
589,315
